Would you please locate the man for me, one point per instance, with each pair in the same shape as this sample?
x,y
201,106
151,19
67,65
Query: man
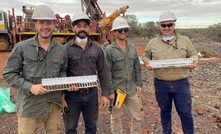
x,y
171,84
30,61
85,57
124,74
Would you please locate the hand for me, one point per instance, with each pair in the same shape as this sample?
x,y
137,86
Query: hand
x,y
64,105
148,66
38,89
192,66
103,102
138,89
73,88
111,97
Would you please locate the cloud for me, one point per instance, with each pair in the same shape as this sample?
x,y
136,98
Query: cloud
x,y
145,10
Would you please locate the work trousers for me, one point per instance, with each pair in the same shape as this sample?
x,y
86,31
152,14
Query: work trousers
x,y
135,107
52,123
179,92
78,103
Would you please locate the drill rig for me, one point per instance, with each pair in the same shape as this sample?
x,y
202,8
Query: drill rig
x,y
14,29
99,21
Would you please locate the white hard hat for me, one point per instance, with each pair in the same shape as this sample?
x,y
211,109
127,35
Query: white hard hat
x,y
167,16
119,23
79,16
43,12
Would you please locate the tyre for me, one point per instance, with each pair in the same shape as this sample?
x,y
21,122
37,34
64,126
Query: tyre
x,y
4,44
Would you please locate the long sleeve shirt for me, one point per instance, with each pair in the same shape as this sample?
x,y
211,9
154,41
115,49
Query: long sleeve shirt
x,y
88,61
179,47
124,68
28,63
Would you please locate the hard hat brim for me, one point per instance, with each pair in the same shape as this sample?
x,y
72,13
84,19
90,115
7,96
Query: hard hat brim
x,y
76,21
120,28
167,20
44,18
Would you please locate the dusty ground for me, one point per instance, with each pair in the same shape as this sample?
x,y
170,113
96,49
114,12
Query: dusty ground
x,y
206,96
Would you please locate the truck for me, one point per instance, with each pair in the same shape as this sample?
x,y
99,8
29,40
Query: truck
x,y
14,29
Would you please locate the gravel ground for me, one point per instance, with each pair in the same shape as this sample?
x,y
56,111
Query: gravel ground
x,y
206,96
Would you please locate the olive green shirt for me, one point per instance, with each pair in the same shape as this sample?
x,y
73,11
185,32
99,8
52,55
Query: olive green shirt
x,y
179,47
28,63
124,68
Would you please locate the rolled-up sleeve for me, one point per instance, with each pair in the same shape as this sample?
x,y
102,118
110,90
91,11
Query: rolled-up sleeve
x,y
147,53
103,74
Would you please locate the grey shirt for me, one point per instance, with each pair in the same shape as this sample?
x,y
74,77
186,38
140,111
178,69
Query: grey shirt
x,y
88,61
124,68
28,63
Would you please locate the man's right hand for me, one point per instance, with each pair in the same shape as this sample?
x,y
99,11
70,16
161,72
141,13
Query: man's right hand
x,y
37,89
65,108
148,66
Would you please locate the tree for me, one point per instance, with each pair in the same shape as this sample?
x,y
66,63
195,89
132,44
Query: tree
x,y
150,29
133,22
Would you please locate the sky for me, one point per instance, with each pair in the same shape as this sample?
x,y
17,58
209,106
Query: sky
x,y
189,13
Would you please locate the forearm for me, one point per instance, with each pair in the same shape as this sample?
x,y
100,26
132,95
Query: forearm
x,y
16,81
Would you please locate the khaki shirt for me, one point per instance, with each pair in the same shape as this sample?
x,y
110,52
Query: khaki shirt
x,y
180,47
124,68
28,63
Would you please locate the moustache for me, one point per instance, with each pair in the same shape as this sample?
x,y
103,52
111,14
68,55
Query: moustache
x,y
83,32
78,34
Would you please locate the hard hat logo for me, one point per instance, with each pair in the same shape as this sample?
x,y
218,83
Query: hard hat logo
x,y
43,12
119,23
167,16
78,17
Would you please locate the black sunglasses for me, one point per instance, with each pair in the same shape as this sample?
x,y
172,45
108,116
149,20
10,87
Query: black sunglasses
x,y
121,30
167,25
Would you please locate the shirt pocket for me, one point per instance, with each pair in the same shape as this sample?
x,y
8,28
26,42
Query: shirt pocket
x,y
132,59
92,61
118,63
158,54
181,52
30,65
74,62
56,67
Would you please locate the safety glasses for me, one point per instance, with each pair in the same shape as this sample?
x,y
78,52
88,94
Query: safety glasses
x,y
121,30
167,25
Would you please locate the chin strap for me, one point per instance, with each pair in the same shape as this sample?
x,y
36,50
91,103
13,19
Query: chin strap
x,y
81,41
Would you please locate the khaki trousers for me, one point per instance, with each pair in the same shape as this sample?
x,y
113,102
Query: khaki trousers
x,y
135,107
52,123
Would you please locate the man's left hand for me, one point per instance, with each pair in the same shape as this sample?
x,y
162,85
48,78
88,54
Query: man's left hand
x,y
139,89
192,66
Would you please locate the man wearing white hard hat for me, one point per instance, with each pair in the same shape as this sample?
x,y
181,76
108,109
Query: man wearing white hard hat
x,y
85,58
125,76
171,83
29,62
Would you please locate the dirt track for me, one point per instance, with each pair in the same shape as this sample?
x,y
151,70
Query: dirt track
x,y
3,59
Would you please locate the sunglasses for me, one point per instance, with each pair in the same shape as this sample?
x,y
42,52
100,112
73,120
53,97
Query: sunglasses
x,y
167,25
121,30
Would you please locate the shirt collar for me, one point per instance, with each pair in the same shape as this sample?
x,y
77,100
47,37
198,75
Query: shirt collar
x,y
35,40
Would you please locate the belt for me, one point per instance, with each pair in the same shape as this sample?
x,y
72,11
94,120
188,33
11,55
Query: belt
x,y
84,90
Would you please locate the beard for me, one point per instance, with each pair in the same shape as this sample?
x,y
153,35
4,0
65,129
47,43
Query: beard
x,y
82,34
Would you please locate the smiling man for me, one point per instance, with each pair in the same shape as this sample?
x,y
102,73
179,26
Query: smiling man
x,y
172,84
124,74
29,62
85,57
